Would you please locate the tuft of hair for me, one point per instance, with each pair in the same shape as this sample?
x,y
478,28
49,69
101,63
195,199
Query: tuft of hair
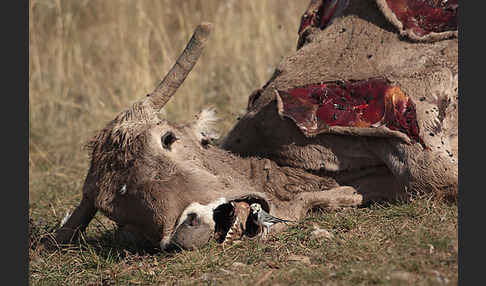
x,y
65,218
205,125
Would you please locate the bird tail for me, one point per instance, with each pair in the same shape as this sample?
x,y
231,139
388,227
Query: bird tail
x,y
284,220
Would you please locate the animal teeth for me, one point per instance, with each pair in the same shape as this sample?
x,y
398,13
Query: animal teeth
x,y
237,229
232,232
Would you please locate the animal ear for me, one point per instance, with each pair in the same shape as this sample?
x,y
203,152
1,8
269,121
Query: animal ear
x,y
205,126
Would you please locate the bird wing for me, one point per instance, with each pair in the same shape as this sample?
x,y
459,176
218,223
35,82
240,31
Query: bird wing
x,y
272,219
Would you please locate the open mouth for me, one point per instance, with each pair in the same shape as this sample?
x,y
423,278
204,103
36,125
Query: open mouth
x,y
234,220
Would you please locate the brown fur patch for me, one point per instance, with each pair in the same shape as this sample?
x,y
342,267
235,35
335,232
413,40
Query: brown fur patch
x,y
117,153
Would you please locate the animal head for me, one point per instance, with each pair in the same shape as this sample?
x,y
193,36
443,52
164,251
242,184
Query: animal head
x,y
145,170
255,208
162,180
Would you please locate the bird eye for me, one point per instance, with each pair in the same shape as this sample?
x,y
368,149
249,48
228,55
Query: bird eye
x,y
167,139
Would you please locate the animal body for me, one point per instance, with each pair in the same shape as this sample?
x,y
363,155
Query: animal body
x,y
357,114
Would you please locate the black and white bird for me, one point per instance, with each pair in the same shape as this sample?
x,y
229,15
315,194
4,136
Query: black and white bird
x,y
264,219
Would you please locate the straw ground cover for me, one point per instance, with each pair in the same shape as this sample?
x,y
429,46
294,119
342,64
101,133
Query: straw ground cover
x,y
89,59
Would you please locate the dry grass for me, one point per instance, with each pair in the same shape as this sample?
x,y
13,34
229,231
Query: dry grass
x,y
398,244
89,59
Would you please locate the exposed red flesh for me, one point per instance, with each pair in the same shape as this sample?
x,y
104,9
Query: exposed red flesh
x,y
308,19
241,213
320,13
365,103
426,16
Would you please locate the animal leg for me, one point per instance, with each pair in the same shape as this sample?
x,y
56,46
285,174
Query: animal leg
x,y
265,232
260,233
344,196
78,221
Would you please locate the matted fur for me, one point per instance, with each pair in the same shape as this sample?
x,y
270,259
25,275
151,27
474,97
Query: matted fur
x,y
205,124
117,153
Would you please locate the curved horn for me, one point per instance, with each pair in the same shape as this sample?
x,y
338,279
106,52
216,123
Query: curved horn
x,y
184,64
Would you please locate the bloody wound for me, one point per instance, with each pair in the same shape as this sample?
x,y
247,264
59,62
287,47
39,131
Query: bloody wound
x,y
426,16
365,103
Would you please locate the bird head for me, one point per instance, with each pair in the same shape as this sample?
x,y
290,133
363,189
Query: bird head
x,y
255,208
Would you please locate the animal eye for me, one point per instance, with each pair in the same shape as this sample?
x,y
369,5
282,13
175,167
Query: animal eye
x,y
167,139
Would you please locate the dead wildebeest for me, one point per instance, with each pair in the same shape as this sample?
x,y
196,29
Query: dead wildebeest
x,y
361,103
358,113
